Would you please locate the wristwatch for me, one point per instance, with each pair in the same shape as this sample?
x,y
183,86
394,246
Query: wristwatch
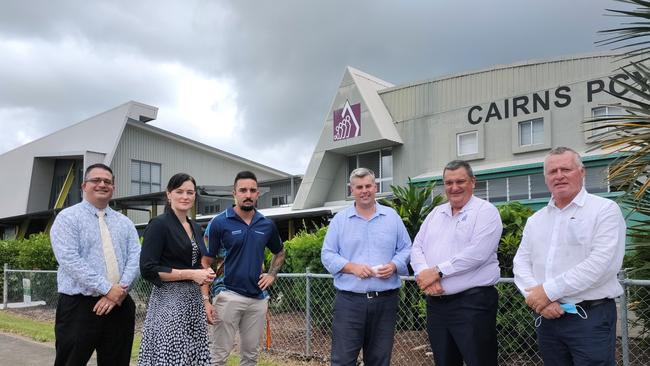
x,y
440,274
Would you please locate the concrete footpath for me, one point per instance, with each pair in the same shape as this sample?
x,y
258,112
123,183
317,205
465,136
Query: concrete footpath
x,y
16,350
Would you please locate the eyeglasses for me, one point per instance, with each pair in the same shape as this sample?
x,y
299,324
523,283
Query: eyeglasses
x,y
107,182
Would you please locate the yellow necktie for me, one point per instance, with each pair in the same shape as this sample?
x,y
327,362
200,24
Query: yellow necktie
x,y
112,273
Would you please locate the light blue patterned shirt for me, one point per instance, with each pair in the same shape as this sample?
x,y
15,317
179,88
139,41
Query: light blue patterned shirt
x,y
379,240
77,245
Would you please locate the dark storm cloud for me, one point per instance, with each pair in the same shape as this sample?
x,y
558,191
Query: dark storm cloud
x,y
285,58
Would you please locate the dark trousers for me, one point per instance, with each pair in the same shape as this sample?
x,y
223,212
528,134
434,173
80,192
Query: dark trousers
x,y
571,340
79,332
360,322
462,327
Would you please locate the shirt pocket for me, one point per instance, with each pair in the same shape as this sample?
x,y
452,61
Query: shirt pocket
x,y
578,233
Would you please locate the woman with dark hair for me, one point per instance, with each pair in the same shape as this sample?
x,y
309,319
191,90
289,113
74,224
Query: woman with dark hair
x,y
175,329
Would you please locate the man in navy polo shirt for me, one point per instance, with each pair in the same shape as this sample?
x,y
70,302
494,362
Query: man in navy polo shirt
x,y
240,234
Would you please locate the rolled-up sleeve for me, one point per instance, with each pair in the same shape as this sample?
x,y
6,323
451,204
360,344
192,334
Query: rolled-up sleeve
x,y
330,257
403,248
483,243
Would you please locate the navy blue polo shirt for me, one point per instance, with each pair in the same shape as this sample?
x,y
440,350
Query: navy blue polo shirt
x,y
242,247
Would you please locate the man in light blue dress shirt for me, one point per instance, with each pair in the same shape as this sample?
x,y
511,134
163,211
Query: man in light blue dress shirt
x,y
93,312
366,249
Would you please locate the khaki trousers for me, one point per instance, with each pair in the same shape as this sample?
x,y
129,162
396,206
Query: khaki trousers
x,y
237,312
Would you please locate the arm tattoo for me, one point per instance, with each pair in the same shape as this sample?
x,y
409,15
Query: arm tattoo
x,y
276,263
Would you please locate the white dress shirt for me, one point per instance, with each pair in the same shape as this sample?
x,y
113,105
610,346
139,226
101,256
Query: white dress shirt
x,y
575,252
464,246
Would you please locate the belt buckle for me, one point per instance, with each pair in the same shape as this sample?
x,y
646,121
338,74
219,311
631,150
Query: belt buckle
x,y
372,294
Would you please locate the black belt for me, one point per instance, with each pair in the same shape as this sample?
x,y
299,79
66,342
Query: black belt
x,y
593,303
471,291
371,294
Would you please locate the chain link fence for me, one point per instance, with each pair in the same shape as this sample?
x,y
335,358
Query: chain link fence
x,y
300,317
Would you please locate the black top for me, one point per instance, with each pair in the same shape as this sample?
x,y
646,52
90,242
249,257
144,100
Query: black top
x,y
166,246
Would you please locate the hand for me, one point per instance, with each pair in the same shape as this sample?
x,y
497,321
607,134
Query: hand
x,y
537,299
117,293
427,277
552,311
359,270
210,312
387,270
265,281
203,276
435,289
104,306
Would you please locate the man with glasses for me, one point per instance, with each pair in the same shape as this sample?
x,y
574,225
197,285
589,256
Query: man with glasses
x,y
366,249
454,257
567,264
98,252
241,234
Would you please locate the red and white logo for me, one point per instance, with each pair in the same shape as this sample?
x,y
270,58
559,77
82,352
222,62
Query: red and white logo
x,y
347,121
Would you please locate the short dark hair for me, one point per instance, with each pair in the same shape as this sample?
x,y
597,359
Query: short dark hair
x,y
455,164
98,166
244,175
178,179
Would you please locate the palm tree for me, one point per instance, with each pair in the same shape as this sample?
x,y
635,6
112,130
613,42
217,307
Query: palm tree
x,y
413,203
629,134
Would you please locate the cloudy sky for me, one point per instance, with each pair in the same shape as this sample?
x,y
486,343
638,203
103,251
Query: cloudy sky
x,y
256,78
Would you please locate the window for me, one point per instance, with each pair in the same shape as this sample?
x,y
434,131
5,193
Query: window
x,y
603,112
538,187
596,180
531,132
211,208
518,188
279,200
379,161
145,177
467,143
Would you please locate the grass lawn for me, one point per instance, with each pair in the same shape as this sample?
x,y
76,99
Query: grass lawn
x,y
44,332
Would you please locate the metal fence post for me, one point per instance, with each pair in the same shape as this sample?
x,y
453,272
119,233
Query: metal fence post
x,y
625,345
5,287
307,313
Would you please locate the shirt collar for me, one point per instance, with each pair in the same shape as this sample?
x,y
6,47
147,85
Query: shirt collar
x,y
231,214
379,210
446,208
578,200
93,210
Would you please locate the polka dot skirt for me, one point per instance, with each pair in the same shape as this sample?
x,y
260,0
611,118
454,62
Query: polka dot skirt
x,y
175,329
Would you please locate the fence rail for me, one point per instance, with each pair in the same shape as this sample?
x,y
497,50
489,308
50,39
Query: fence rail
x,y
300,316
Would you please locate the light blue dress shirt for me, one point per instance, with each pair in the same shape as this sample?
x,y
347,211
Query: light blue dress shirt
x,y
378,240
77,245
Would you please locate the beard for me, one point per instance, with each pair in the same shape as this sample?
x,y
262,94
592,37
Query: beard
x,y
245,207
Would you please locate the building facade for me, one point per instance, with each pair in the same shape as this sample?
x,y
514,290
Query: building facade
x,y
47,173
503,120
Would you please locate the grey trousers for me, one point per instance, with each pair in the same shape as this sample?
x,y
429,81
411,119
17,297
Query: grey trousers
x,y
236,312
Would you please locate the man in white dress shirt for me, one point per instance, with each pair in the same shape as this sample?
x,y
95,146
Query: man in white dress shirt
x,y
566,267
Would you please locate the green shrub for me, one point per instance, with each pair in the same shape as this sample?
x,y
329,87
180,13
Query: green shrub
x,y
513,216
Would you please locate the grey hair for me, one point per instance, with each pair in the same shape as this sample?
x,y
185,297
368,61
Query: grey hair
x,y
561,150
361,173
455,164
